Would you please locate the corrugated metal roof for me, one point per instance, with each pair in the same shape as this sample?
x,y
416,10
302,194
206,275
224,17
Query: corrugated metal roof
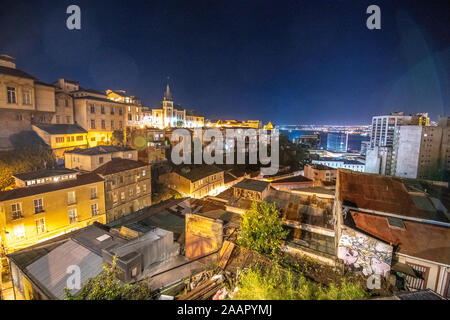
x,y
51,270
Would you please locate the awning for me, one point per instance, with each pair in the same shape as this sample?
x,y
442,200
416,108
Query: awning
x,y
403,268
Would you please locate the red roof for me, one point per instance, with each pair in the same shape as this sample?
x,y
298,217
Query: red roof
x,y
421,240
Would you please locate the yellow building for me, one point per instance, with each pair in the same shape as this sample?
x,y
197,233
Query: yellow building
x,y
62,137
23,100
33,214
98,115
133,108
195,182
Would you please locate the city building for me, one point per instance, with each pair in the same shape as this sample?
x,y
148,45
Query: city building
x,y
92,158
62,137
23,100
337,163
364,146
195,181
319,172
169,115
254,124
337,141
89,249
417,151
391,226
133,110
127,187
44,210
310,141
43,176
379,155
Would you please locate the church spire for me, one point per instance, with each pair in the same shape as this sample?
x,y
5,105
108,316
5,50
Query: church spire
x,y
167,95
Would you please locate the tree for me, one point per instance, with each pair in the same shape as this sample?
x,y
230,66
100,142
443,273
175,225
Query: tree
x,y
106,286
262,228
117,138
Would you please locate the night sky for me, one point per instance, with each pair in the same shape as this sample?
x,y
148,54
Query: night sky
x,y
290,62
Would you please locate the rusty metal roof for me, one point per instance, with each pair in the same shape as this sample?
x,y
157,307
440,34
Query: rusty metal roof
x,y
421,240
385,194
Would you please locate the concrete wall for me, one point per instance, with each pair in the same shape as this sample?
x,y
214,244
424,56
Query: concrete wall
x,y
203,235
407,151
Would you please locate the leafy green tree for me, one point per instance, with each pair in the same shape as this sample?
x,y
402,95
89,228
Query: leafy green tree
x,y
262,228
180,123
117,138
106,286
23,158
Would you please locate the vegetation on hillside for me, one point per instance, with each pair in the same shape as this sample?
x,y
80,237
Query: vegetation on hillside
x,y
275,283
106,286
262,228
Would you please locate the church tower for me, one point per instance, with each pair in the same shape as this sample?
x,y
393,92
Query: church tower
x,y
167,104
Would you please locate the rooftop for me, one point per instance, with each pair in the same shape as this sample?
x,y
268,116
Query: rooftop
x,y
15,73
195,173
43,173
61,128
82,179
318,166
99,150
252,184
294,179
386,194
416,239
118,165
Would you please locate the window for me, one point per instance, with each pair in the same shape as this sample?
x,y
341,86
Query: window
x,y
66,102
16,210
80,138
68,119
138,189
100,160
19,117
112,110
71,197
58,119
68,139
130,116
120,124
26,96
122,196
130,192
73,216
94,209
11,91
40,225
93,192
112,124
144,188
143,173
92,124
38,205
102,109
92,107
129,108
120,111
115,197
19,231
137,117
103,124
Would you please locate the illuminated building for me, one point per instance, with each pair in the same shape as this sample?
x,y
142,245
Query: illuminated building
x,y
255,124
379,157
337,141
196,181
127,187
23,100
133,108
49,208
62,137
92,158
170,115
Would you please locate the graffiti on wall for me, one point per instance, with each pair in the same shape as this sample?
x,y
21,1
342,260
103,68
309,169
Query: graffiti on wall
x,y
364,253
